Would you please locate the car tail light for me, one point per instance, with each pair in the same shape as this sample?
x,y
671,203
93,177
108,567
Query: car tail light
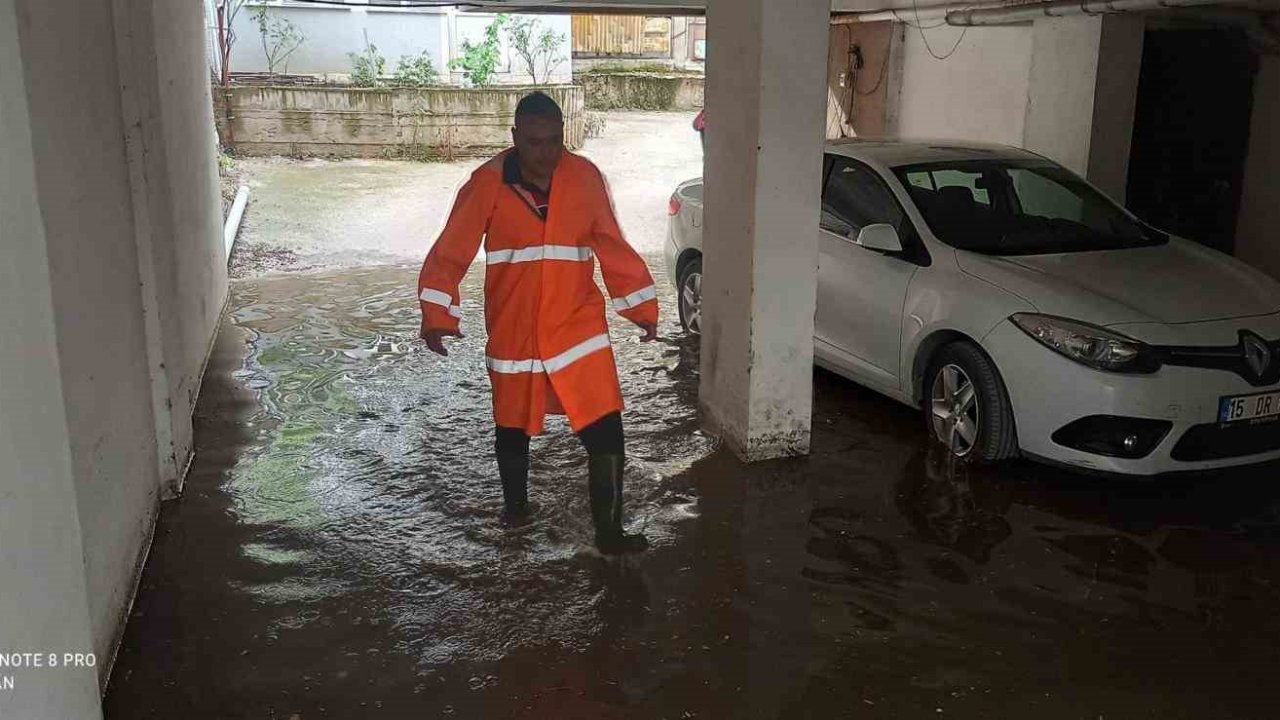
x,y
673,205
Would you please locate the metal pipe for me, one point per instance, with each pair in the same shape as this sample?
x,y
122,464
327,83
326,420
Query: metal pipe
x,y
232,225
921,14
1004,12
1062,8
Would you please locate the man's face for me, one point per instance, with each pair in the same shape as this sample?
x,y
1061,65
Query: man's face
x,y
539,141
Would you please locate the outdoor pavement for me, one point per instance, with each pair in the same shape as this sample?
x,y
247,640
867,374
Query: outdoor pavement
x,y
338,551
308,214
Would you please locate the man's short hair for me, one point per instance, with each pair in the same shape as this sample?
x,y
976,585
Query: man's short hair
x,y
538,104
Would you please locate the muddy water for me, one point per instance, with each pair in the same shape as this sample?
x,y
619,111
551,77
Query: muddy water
x,y
338,553
379,454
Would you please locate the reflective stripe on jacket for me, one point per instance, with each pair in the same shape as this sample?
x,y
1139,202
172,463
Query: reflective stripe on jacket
x,y
548,347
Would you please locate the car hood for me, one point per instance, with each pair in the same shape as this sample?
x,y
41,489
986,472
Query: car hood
x,y
1178,282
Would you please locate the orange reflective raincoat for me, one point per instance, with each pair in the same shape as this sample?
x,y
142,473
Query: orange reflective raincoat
x,y
548,349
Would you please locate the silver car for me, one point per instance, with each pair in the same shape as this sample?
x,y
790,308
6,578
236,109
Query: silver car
x,y
1024,312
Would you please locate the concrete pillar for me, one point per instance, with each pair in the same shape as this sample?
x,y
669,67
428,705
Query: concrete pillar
x,y
1082,95
43,599
766,94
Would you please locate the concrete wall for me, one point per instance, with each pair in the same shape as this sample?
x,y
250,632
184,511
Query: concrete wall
x,y
978,93
1084,87
113,181
1062,87
1258,224
189,255
332,32
642,91
43,602
83,180
448,122
859,100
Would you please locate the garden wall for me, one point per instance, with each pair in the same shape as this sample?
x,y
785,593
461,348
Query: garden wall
x,y
428,123
642,91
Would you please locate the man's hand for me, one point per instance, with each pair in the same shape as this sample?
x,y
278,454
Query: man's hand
x,y
435,339
650,332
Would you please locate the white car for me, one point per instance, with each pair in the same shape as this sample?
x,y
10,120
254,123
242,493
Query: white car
x,y
1026,313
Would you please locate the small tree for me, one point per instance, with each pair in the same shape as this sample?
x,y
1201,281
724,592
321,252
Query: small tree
x,y
536,49
280,38
415,71
480,60
226,12
368,67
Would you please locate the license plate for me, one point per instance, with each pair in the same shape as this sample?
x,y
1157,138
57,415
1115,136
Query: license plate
x,y
1240,408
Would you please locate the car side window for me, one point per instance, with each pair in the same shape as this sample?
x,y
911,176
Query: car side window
x,y
854,197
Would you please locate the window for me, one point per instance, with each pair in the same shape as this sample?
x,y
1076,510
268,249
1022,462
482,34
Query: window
x,y
1019,207
950,178
855,197
1044,197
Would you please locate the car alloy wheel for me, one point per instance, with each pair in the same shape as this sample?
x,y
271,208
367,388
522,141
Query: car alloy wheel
x,y
954,406
691,301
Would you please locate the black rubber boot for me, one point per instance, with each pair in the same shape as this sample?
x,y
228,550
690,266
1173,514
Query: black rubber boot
x,y
514,470
604,485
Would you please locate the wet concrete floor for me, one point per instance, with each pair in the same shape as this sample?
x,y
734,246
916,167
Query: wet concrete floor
x,y
338,554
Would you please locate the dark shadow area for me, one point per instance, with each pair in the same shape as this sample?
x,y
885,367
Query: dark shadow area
x,y
1191,132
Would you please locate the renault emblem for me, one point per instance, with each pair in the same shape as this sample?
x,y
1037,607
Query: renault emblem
x,y
1257,354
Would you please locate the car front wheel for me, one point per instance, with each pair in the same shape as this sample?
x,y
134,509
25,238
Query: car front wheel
x,y
691,297
966,406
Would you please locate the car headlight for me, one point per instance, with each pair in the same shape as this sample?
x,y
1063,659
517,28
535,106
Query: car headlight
x,y
1088,345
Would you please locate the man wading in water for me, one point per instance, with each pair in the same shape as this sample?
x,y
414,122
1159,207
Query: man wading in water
x,y
545,216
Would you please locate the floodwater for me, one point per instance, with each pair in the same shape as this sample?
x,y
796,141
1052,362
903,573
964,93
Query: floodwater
x,y
338,553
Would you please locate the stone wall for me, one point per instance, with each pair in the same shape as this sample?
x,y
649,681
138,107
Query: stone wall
x,y
642,91
432,123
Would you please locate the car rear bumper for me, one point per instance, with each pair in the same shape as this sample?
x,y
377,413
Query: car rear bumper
x,y
1049,392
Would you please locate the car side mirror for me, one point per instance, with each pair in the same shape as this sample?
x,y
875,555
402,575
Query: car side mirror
x,y
879,236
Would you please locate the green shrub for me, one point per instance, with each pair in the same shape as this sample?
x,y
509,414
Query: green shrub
x,y
368,67
479,61
415,71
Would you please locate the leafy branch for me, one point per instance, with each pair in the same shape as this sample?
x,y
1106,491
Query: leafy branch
x,y
280,38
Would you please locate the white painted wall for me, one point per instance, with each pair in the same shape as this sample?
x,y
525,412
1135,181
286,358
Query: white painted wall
x,y
1062,87
1258,225
43,602
333,32
1064,70
977,93
193,287
1084,87
120,160
471,26
83,181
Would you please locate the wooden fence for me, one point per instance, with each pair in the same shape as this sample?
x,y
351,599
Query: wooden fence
x,y
621,35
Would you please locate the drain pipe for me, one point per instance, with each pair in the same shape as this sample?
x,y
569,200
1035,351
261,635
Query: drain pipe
x,y
232,225
1062,8
913,14
1004,13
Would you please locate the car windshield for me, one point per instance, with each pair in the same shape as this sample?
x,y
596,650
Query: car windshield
x,y
1019,207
